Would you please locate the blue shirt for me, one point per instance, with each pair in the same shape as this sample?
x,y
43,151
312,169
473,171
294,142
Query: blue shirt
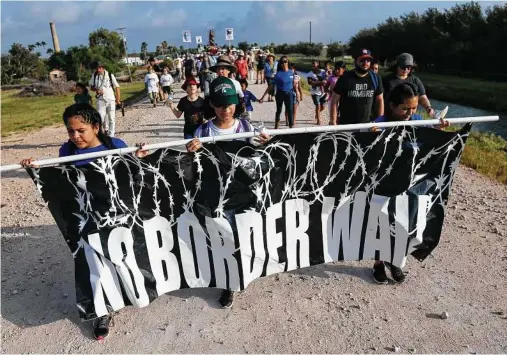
x,y
66,150
248,98
284,80
268,72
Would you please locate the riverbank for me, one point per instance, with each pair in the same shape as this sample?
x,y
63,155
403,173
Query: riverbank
x,y
477,93
484,152
30,113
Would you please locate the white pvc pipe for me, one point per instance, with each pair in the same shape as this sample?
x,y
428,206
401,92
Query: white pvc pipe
x,y
315,129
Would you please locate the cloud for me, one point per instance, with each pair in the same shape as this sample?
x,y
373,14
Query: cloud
x,y
106,8
64,13
169,19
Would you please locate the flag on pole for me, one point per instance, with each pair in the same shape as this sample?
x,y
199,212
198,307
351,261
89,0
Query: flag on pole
x,y
187,37
229,34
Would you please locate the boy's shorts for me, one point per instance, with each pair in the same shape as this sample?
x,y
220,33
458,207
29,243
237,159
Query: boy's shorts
x,y
166,89
319,99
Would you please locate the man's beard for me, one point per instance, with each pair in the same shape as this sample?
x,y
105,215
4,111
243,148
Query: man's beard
x,y
361,70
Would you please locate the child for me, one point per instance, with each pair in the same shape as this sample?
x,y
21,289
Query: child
x,y
298,94
192,106
82,95
166,80
151,83
223,98
403,102
248,98
84,128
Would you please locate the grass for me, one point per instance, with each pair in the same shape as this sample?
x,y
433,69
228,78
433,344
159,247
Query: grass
x,y
30,113
487,154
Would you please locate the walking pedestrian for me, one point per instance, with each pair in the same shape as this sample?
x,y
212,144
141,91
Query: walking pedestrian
x,y
248,98
402,72
84,128
166,80
284,83
151,83
107,91
355,92
82,94
317,80
374,68
403,101
178,64
261,61
241,67
339,68
269,74
298,95
224,101
192,107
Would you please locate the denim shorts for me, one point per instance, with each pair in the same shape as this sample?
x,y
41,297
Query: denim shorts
x,y
319,99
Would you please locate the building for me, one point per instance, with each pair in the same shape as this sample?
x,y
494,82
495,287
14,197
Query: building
x,y
134,61
57,75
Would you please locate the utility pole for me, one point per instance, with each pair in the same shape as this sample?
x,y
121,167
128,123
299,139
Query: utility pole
x,y
125,48
310,32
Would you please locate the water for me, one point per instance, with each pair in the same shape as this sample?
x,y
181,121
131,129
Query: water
x,y
455,110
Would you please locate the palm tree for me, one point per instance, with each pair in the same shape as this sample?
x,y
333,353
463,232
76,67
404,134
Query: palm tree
x,y
144,49
164,46
50,51
31,47
37,44
43,44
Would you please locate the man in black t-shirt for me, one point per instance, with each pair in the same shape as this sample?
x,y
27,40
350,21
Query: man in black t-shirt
x,y
355,93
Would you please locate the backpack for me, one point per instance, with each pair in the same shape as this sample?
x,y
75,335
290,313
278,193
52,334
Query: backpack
x,y
375,79
110,81
242,124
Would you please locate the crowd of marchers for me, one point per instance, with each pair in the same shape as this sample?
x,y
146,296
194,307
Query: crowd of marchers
x,y
218,102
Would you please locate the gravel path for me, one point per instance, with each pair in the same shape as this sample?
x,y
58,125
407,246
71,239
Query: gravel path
x,y
329,308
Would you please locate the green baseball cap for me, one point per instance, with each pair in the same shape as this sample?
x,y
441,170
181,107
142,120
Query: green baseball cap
x,y
223,92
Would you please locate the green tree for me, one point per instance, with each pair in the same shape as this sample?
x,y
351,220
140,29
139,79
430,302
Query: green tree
x,y
20,62
144,50
164,46
108,44
243,45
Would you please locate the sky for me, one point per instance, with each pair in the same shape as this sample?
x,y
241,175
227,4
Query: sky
x,y
27,22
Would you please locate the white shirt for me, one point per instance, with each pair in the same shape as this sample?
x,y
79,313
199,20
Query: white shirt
x,y
102,82
166,80
317,90
237,85
151,79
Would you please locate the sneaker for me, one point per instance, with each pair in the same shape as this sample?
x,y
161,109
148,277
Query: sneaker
x,y
101,327
226,299
379,273
396,273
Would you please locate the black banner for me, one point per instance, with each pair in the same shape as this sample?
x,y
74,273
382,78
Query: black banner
x,y
232,213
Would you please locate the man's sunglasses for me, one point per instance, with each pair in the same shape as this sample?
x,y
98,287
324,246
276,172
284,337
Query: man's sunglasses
x,y
406,67
363,60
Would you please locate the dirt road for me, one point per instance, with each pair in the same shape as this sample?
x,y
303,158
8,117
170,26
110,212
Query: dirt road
x,y
330,308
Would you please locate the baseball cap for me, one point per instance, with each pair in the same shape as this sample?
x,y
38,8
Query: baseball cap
x,y
189,81
223,92
364,53
405,60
